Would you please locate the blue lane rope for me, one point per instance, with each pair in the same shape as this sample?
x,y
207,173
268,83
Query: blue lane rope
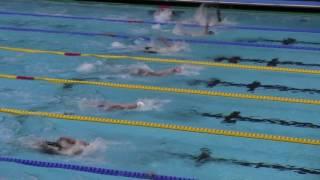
x,y
125,36
89,169
162,23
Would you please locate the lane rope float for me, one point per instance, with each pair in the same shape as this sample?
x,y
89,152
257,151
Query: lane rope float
x,y
164,60
166,89
163,126
195,41
137,21
90,169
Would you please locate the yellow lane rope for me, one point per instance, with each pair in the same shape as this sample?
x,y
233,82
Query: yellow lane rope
x,y
164,60
163,126
167,89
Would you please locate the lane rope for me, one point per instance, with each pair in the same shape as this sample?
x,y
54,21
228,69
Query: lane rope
x,y
137,21
90,169
166,89
164,60
163,126
195,41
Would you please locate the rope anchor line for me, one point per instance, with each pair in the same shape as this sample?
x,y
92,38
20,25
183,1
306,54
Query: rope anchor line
x,y
163,126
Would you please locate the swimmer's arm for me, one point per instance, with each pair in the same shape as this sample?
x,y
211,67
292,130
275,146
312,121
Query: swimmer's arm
x,y
122,106
162,73
69,140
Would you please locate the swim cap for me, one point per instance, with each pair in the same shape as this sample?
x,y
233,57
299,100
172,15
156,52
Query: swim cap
x,y
140,104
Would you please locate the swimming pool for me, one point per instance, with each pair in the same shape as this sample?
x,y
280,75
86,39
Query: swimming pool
x,y
44,39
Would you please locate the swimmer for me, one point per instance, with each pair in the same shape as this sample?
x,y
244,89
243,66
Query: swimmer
x,y
207,27
163,14
112,107
163,45
206,31
147,72
63,146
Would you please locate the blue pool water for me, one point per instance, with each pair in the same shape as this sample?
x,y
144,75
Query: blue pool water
x,y
146,149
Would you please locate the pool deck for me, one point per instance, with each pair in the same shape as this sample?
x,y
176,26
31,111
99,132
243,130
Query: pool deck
x,y
291,5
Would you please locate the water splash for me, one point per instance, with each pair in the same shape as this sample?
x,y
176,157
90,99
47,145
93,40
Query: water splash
x,y
117,45
190,70
152,104
156,26
163,15
98,145
88,67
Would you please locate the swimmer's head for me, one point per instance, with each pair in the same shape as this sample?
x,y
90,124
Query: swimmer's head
x,y
210,32
140,104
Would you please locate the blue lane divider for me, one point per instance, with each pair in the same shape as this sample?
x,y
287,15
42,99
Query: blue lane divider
x,y
90,169
124,36
164,23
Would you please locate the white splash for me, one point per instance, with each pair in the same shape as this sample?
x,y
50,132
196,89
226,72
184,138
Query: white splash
x,y
152,104
156,26
163,15
163,46
202,17
98,145
117,45
190,70
89,67
86,68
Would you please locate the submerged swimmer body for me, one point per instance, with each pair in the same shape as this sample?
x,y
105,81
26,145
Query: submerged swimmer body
x,y
163,45
147,72
205,157
63,146
113,107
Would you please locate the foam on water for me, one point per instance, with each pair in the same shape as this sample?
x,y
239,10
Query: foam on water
x,y
190,70
98,145
156,26
152,104
117,45
202,16
8,130
88,67
163,15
